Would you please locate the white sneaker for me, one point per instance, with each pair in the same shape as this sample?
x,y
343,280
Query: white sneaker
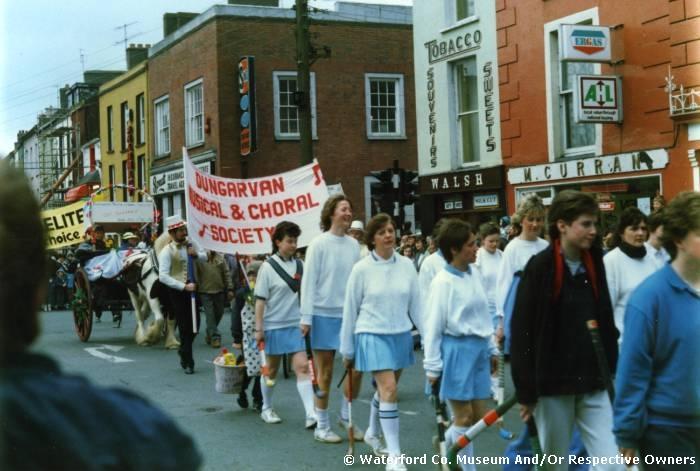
x,y
376,444
397,465
326,436
311,421
359,434
270,416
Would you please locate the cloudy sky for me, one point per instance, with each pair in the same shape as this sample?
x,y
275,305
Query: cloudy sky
x,y
41,42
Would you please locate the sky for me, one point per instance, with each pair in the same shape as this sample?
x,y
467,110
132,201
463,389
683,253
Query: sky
x,y
41,43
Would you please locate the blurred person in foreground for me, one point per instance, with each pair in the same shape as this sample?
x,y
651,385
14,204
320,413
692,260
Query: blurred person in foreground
x,y
657,401
49,419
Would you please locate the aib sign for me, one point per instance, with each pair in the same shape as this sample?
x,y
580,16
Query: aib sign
x,y
246,88
584,43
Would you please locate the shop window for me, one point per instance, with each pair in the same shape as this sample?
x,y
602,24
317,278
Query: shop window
x,y
162,140
384,106
194,113
566,137
286,110
112,178
125,181
467,110
110,129
140,120
124,109
464,9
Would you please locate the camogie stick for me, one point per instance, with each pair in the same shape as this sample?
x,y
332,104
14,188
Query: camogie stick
x,y
489,419
535,441
265,369
318,392
503,432
442,423
602,359
351,429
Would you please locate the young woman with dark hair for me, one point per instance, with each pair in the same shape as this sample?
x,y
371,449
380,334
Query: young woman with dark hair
x,y
457,332
381,300
277,319
556,372
627,265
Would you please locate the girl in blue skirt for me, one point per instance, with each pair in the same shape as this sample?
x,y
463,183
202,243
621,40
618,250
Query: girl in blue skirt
x,y
277,319
329,260
457,331
376,331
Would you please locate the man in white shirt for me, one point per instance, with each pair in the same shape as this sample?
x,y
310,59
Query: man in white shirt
x,y
173,273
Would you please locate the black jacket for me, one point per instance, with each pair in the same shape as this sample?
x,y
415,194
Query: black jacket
x,y
551,349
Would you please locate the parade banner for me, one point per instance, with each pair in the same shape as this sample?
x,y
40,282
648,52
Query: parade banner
x,y
64,226
239,216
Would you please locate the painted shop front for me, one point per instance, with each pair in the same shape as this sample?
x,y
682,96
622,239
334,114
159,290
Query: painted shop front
x,y
167,184
457,109
473,195
617,181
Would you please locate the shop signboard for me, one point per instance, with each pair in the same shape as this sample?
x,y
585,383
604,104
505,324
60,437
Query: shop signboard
x,y
585,43
598,99
486,201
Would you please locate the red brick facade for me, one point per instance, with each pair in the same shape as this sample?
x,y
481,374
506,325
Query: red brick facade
x,y
651,36
346,155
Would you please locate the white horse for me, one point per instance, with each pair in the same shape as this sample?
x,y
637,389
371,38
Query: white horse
x,y
145,300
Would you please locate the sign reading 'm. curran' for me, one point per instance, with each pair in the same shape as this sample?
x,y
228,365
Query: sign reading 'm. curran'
x,y
590,167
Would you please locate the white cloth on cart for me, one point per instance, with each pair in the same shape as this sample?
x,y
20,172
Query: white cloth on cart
x,y
108,265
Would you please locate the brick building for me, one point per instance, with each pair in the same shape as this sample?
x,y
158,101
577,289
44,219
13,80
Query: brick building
x,y
540,147
651,151
363,117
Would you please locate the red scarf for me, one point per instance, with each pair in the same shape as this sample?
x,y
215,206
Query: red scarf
x,y
587,261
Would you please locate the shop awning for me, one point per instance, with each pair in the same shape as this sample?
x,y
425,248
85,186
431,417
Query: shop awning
x,y
77,192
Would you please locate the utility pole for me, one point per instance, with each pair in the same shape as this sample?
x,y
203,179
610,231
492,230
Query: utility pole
x,y
303,94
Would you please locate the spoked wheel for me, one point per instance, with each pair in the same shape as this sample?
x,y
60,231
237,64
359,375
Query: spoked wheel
x,y
82,305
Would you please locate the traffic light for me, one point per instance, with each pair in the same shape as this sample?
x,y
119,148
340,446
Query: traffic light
x,y
408,188
382,192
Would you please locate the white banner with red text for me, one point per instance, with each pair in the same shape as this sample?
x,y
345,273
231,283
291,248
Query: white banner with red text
x,y
239,216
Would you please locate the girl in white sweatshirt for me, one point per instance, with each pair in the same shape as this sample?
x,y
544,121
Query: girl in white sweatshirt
x,y
376,332
516,255
329,260
457,330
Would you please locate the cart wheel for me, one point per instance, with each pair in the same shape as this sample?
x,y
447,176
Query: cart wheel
x,y
82,305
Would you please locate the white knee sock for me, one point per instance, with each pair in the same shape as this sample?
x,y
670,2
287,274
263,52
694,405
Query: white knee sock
x,y
266,394
322,416
373,429
344,409
451,436
306,393
389,419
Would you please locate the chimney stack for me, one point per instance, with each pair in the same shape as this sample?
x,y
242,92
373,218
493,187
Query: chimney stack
x,y
135,54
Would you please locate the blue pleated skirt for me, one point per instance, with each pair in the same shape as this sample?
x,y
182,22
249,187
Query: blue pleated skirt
x,y
281,341
466,374
325,332
375,352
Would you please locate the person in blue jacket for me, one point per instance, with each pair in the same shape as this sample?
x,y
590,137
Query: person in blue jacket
x,y
50,419
657,403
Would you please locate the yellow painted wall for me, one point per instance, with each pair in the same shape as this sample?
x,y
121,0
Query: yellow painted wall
x,y
125,88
